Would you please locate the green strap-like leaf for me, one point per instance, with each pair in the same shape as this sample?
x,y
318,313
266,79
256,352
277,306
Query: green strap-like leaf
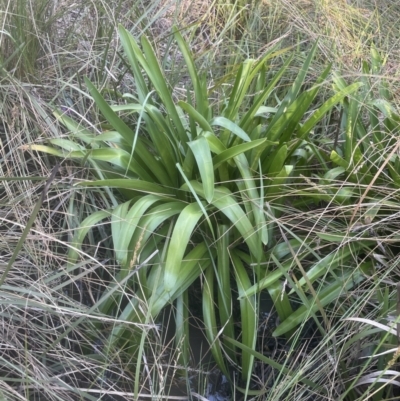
x,y
278,161
76,129
281,116
67,145
195,262
210,321
120,158
153,70
183,230
230,126
156,217
248,314
202,154
216,146
81,232
234,151
223,276
124,222
203,123
238,91
253,197
48,149
275,187
339,160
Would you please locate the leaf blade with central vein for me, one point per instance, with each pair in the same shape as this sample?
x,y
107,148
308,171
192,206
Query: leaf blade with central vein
x,y
202,154
124,223
183,230
239,149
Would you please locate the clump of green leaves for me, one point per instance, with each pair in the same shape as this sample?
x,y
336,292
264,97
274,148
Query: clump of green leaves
x,y
196,185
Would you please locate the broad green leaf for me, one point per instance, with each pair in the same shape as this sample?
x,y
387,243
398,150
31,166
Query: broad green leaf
x,y
203,123
182,329
279,296
245,200
210,321
262,110
223,276
109,136
293,113
46,149
344,237
67,145
252,196
183,230
157,78
82,230
287,247
119,158
234,151
192,266
214,142
350,145
76,129
269,279
298,82
342,195
202,154
287,123
124,222
302,104
278,160
333,174
230,126
339,160
195,262
189,164
249,316
281,117
149,226
199,202
157,216
238,91
275,187
241,88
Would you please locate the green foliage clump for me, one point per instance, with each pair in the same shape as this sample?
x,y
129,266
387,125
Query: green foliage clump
x,y
204,194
